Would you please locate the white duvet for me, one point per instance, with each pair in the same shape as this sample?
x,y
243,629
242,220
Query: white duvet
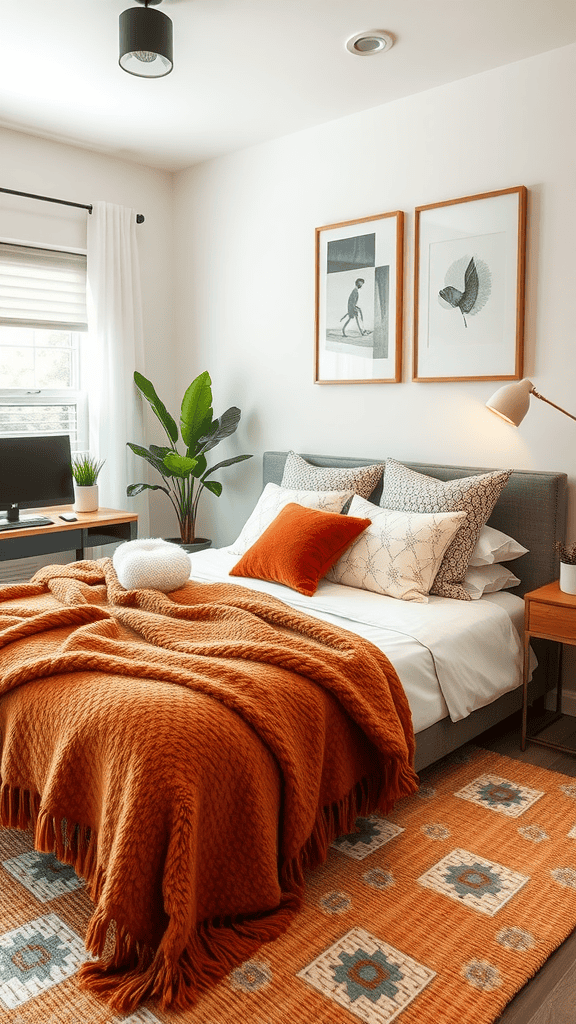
x,y
451,656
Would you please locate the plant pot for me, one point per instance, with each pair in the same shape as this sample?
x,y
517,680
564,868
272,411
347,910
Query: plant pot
x,y
85,498
198,545
567,578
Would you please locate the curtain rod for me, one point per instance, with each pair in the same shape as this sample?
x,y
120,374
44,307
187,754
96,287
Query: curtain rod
x,y
62,202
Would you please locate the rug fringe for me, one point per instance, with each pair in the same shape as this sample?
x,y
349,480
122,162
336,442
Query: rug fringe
x,y
135,971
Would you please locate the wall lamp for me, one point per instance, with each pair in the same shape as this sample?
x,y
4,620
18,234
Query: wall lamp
x,y
145,41
513,401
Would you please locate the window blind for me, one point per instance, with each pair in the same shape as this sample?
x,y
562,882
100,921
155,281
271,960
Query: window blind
x,y
42,288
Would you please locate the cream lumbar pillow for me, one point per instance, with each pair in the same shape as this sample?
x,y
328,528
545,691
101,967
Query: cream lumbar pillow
x,y
151,564
399,554
270,503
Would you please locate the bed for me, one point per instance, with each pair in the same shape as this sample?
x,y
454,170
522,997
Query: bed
x,y
193,809
532,509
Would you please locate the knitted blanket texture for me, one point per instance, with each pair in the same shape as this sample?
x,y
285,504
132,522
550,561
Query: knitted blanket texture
x,y
190,754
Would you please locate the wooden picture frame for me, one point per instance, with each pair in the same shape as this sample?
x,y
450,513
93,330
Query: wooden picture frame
x,y
470,258
359,280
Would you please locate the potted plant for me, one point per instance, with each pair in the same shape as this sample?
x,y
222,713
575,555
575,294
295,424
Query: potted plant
x,y
186,476
567,581
85,471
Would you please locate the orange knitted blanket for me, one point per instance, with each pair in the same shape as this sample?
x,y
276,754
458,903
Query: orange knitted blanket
x,y
190,754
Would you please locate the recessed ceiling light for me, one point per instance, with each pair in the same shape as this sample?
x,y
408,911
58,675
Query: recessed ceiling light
x,y
364,44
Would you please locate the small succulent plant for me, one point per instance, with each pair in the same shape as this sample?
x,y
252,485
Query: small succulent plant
x,y
567,553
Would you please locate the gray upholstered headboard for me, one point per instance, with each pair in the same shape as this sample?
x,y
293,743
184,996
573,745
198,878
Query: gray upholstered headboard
x,y
531,508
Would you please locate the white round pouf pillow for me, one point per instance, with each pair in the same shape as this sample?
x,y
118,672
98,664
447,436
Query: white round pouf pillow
x,y
152,564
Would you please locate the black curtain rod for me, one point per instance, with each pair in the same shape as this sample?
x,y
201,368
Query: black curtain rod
x,y
61,202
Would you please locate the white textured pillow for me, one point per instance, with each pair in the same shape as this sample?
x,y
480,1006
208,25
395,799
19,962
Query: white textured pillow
x,y
488,579
151,564
273,499
494,546
301,474
399,554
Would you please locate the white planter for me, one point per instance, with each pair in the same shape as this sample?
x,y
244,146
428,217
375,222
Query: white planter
x,y
567,578
85,498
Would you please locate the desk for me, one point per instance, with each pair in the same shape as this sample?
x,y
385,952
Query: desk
x,y
106,526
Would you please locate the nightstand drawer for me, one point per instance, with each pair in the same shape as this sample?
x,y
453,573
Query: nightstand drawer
x,y
553,620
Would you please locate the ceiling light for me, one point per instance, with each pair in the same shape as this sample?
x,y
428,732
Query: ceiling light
x,y
364,44
145,41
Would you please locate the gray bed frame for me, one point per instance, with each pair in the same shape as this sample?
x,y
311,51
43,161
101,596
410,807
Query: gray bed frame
x,y
532,509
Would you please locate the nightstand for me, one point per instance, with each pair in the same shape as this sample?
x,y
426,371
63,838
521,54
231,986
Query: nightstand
x,y
551,615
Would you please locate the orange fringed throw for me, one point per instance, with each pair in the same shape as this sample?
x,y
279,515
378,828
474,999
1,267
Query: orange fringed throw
x,y
190,754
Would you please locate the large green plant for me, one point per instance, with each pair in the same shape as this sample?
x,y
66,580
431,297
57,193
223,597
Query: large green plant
x,y
186,476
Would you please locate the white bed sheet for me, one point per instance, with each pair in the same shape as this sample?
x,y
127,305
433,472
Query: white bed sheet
x,y
451,656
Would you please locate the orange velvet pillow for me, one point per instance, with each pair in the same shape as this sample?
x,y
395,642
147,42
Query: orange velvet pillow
x,y
299,547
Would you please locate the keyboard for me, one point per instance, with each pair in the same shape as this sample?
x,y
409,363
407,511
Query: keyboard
x,y
31,522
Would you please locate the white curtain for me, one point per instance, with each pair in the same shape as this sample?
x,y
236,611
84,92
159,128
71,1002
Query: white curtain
x,y
115,341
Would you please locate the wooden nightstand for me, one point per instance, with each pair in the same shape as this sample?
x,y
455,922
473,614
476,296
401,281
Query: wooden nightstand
x,y
550,614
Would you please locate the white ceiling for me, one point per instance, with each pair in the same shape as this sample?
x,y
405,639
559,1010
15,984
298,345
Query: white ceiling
x,y
247,70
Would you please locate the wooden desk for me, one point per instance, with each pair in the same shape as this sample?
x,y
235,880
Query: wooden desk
x,y
106,526
549,613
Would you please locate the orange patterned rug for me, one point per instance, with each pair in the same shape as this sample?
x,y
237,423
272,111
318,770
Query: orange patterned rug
x,y
437,914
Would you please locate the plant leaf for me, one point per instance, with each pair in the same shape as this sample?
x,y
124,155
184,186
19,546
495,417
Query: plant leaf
x,y
157,405
200,466
150,457
223,427
227,462
214,486
133,489
470,288
196,410
179,465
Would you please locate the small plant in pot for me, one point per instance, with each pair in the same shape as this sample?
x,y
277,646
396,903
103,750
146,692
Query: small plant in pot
x,y
85,472
186,476
567,554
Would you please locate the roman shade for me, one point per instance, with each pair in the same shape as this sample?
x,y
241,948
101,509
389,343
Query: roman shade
x,y
42,288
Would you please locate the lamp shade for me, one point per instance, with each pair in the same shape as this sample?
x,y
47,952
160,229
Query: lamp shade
x,y
512,401
145,42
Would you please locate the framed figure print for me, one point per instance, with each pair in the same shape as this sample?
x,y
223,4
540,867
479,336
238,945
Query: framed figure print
x,y
469,287
359,267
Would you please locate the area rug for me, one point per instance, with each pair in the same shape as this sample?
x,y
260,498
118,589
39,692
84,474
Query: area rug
x,y
437,914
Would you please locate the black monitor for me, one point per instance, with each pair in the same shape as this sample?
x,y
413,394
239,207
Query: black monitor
x,y
35,472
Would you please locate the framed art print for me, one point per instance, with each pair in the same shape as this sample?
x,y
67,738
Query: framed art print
x,y
359,267
469,287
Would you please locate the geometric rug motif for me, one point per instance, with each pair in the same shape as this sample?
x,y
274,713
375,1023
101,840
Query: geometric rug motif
x,y
480,959
371,833
500,795
43,875
368,977
478,883
36,956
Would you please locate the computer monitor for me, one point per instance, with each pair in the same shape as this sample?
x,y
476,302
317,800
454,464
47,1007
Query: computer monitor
x,y
35,472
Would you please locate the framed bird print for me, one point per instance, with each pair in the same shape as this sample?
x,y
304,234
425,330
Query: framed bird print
x,y
469,287
359,271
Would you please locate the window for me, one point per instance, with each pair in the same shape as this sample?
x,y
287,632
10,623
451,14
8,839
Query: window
x,y
42,317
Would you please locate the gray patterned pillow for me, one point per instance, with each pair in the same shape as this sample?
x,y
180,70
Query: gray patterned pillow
x,y
302,475
476,495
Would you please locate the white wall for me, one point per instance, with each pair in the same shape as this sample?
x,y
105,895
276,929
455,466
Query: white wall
x,y
39,166
244,233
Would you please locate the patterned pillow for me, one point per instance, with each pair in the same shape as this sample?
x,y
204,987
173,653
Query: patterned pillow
x,y
274,498
475,495
360,479
399,553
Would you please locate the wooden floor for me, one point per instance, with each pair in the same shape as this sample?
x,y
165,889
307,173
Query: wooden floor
x,y
550,997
